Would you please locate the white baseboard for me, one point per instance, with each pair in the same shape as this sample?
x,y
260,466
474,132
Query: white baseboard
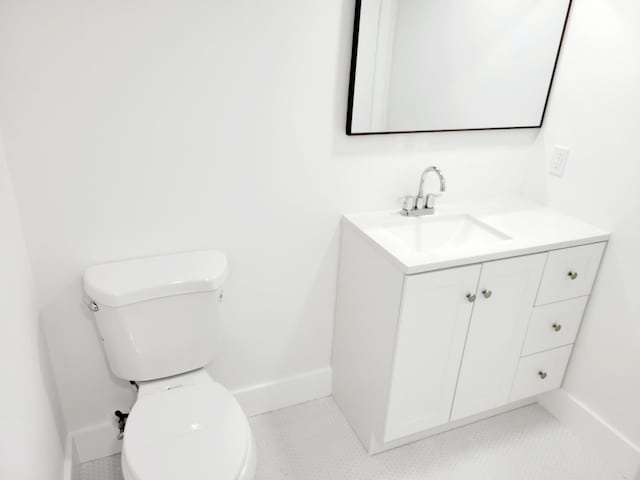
x,y
100,440
613,445
97,441
269,396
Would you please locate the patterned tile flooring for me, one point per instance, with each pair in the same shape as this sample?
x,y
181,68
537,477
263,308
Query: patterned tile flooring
x,y
313,441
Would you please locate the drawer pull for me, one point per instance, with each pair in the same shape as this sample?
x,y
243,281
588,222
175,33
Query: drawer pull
x,y
487,293
573,275
471,297
557,327
542,374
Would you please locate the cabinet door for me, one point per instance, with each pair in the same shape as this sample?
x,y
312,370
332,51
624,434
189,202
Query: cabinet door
x,y
433,322
505,298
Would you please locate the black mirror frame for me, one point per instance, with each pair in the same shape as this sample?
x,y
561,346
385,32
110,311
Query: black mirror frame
x,y
352,81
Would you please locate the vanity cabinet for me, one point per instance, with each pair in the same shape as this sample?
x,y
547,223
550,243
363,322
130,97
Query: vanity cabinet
x,y
504,301
416,354
427,353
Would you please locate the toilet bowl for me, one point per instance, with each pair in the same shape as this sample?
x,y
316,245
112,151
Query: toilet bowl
x,y
158,320
187,427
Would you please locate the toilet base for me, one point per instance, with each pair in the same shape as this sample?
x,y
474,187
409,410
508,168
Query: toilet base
x,y
187,426
247,473
249,470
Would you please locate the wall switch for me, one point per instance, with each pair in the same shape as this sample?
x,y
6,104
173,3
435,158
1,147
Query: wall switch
x,y
558,161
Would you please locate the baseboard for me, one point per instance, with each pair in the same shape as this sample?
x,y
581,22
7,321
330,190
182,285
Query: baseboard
x,y
613,445
97,441
71,467
100,440
269,396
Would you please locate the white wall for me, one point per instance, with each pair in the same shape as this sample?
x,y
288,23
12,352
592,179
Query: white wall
x,y
30,444
143,127
595,111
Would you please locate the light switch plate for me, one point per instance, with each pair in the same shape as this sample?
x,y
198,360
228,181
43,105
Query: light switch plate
x,y
559,159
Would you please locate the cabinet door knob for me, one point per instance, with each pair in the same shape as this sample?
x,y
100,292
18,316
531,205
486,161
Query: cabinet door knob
x,y
557,327
471,297
542,374
487,293
573,275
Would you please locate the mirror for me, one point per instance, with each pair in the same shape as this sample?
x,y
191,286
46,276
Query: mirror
x,y
442,65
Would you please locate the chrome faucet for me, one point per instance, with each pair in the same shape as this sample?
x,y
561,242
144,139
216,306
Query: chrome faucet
x,y
421,205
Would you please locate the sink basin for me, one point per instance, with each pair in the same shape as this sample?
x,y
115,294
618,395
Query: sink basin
x,y
448,232
464,233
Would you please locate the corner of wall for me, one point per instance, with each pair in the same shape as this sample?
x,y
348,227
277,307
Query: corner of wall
x,y
71,460
604,438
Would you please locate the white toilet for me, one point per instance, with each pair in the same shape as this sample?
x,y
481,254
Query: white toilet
x,y
158,320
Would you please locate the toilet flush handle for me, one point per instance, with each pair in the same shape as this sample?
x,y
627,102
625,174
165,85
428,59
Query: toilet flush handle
x,y
91,305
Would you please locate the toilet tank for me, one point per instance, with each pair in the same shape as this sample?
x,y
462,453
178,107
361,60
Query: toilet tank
x,y
158,316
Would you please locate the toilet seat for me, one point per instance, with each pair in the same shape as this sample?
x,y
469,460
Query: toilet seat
x,y
191,432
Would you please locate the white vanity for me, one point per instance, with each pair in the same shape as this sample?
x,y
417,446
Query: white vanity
x,y
445,319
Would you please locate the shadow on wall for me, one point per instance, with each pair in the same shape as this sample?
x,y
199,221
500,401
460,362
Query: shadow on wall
x,y
53,396
320,297
68,325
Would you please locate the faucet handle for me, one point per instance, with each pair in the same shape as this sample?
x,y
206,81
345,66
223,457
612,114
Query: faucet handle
x,y
409,203
430,199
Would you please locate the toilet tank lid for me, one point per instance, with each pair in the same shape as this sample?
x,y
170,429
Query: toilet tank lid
x,y
122,283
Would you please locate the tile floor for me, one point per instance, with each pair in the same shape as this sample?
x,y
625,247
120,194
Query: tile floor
x,y
313,441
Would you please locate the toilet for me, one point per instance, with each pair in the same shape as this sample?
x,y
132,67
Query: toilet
x,y
158,320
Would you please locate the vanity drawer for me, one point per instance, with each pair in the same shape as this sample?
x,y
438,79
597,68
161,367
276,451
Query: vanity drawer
x,y
554,325
569,273
540,372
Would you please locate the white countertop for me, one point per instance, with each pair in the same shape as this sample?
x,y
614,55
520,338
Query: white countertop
x,y
531,228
